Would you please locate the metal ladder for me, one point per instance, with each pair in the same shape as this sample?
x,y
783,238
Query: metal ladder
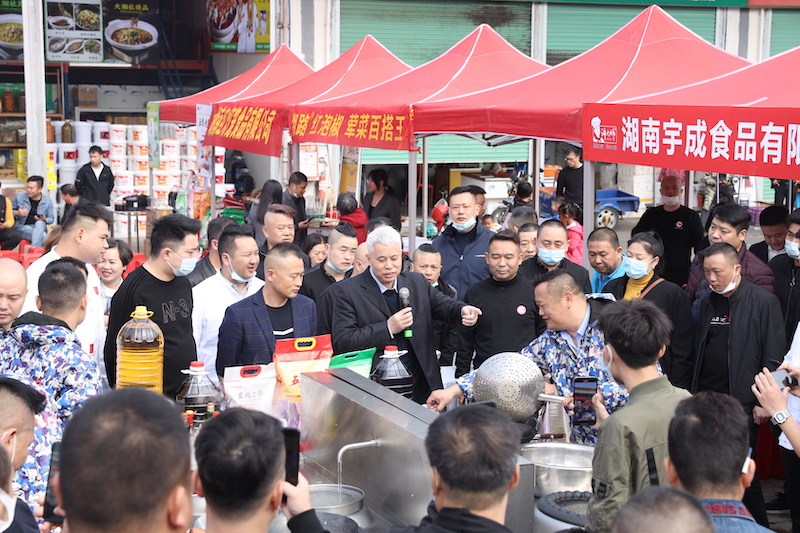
x,y
175,83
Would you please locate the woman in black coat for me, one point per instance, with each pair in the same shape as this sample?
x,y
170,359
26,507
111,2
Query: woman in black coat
x,y
641,280
378,202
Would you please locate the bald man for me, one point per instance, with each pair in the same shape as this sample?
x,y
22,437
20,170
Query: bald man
x,y
678,226
13,288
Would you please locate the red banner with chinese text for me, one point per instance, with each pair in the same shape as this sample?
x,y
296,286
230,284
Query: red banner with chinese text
x,y
386,131
245,127
750,141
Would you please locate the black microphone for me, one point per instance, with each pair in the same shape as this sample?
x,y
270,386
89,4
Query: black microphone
x,y
405,301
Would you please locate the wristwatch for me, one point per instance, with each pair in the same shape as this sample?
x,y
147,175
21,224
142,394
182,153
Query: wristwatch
x,y
780,417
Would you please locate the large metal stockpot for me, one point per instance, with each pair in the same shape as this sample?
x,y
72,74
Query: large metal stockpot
x,y
559,466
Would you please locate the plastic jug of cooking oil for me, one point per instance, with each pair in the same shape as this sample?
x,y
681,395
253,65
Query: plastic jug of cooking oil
x,y
67,133
392,373
140,352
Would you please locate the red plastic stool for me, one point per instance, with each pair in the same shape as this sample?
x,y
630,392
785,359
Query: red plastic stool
x,y
137,261
10,254
23,244
27,258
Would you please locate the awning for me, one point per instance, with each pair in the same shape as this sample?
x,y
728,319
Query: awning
x,y
278,69
255,124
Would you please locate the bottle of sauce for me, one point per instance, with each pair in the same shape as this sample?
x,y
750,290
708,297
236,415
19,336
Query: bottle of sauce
x,y
21,101
8,101
392,373
50,134
198,393
140,352
67,132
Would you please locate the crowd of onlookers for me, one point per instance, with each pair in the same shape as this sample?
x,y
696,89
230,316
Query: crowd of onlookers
x,y
680,311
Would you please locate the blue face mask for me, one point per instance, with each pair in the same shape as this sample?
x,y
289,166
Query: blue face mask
x,y
240,279
792,249
551,257
348,269
636,269
186,268
605,367
466,226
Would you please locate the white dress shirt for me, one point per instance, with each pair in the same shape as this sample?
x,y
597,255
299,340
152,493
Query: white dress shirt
x,y
212,297
793,405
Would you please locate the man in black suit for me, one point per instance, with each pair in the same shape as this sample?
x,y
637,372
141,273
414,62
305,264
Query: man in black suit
x,y
773,226
367,312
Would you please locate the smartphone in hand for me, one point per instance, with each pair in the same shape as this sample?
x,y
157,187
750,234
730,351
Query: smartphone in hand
x,y
583,388
291,440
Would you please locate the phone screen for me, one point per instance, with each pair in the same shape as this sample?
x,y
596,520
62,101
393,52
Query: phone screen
x,y
50,502
783,379
583,390
291,439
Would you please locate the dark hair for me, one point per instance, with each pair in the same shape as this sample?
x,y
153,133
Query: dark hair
x,y
69,189
559,283
532,227
377,222
574,150
522,215
231,232
282,209
125,252
490,217
637,330
61,286
128,438
653,245
77,263
477,189
793,218
474,449
726,250
524,189
773,215
378,177
83,212
344,229
240,456
708,441
659,509
558,200
505,235
170,231
271,193
216,226
96,150
33,399
604,235
346,203
285,249
425,249
312,239
464,189
572,210
297,178
37,179
553,223
733,214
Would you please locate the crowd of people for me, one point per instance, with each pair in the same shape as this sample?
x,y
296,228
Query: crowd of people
x,y
680,330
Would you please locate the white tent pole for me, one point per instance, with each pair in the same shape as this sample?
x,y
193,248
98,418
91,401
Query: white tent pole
x,y
588,207
425,180
412,201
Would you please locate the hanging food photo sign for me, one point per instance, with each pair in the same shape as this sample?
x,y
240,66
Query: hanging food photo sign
x,y
11,30
238,25
74,31
130,34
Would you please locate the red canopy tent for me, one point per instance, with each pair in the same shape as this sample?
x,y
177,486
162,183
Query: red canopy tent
x,y
255,124
279,68
745,122
652,52
380,116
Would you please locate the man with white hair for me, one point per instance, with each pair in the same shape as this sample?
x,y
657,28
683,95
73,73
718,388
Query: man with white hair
x,y
368,312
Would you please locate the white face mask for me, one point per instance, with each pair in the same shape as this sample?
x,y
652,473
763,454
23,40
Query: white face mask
x,y
729,288
10,504
671,201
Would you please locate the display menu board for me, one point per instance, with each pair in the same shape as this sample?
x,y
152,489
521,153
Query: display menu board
x,y
238,25
130,32
74,31
11,30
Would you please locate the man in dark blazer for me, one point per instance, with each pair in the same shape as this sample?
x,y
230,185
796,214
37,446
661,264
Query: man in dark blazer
x,y
368,313
773,226
251,327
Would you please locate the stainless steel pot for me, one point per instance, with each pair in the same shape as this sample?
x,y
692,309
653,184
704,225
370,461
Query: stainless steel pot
x,y
559,466
350,502
332,523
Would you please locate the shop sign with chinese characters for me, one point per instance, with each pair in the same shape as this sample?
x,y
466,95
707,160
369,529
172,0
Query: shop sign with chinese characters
x,y
749,141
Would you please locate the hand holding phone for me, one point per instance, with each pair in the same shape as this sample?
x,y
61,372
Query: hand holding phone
x,y
584,388
783,378
291,440
50,502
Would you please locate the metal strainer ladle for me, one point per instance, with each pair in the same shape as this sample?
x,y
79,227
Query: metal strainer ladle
x,y
513,382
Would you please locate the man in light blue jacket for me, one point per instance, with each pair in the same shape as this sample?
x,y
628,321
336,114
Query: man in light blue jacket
x,y
34,211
